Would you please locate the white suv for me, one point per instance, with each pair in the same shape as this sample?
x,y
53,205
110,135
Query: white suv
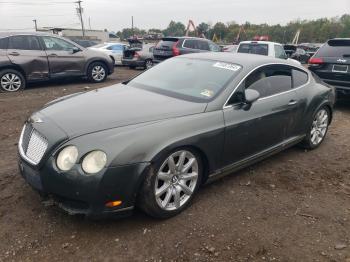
x,y
264,48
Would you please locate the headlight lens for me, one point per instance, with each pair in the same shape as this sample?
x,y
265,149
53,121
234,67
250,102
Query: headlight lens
x,y
67,158
94,162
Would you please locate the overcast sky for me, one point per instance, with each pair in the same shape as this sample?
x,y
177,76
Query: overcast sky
x,y
116,14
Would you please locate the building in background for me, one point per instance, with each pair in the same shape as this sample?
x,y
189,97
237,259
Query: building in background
x,y
99,36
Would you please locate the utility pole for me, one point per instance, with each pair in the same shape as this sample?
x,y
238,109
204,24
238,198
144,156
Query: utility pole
x,y
132,27
35,24
80,11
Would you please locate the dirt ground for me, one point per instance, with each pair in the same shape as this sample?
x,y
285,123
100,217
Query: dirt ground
x,y
295,206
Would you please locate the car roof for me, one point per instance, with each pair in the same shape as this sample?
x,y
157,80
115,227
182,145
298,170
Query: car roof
x,y
260,42
247,61
185,37
6,34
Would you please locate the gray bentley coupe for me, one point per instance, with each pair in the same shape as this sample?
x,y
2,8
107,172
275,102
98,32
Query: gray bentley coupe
x,y
152,141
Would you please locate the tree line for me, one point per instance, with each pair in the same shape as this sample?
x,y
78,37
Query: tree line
x,y
312,31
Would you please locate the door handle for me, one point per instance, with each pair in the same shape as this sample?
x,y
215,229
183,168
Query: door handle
x,y
292,102
14,53
53,55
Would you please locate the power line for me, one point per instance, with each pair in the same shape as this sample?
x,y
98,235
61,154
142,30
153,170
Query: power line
x,y
31,3
29,16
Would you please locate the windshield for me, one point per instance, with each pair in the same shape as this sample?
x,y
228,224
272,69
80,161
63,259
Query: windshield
x,y
257,49
185,78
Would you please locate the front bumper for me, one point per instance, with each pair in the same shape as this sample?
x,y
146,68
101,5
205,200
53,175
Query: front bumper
x,y
87,195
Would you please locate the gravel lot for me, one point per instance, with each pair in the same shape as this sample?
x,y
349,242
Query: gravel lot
x,y
295,206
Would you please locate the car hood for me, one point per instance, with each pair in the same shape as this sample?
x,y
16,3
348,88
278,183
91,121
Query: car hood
x,y
115,106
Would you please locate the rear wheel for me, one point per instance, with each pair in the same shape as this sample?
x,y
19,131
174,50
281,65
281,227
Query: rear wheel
x,y
170,187
97,72
11,80
318,129
148,64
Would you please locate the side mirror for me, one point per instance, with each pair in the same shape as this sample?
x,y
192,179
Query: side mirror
x,y
251,96
75,50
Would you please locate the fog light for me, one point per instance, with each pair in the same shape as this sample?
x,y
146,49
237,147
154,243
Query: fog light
x,y
113,203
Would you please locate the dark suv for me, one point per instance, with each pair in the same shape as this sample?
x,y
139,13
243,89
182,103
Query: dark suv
x,y
332,64
30,57
174,46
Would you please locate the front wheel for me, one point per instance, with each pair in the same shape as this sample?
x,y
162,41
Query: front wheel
x,y
171,185
318,130
97,72
11,80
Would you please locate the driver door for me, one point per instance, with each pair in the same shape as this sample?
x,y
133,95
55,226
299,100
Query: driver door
x,y
265,125
63,60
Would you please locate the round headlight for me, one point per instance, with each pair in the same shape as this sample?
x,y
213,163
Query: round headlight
x,y
67,158
94,162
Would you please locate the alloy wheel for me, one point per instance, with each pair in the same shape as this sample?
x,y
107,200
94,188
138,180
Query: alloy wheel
x,y
319,127
98,73
176,180
11,82
149,64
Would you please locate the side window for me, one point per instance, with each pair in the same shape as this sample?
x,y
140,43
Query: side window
x,y
213,47
203,45
189,43
116,48
299,78
279,52
3,43
24,42
270,80
57,44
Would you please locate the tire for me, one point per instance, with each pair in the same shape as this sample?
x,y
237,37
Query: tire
x,y
11,80
148,64
175,190
318,129
97,72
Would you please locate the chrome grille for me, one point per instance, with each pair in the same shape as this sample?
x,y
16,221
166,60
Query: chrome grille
x,y
32,145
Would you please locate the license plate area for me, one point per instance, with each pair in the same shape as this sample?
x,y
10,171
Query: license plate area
x,y
340,68
31,177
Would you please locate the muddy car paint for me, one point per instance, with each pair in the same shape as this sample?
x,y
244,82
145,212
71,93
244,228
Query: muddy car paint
x,y
136,127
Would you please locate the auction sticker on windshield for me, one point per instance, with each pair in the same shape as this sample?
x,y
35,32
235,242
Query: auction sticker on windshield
x,y
227,66
207,93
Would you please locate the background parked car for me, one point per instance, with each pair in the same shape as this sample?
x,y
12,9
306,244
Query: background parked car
x,y
262,48
84,43
174,46
29,57
139,57
230,48
290,49
301,55
310,48
332,64
113,50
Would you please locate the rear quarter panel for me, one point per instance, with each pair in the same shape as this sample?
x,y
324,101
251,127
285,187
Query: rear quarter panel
x,y
312,97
